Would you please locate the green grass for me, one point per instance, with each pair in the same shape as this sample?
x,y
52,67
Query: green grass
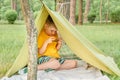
x,y
104,36
11,40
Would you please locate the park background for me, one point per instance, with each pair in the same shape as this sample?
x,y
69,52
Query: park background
x,y
97,20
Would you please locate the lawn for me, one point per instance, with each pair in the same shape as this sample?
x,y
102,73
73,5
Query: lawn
x,y
104,36
11,40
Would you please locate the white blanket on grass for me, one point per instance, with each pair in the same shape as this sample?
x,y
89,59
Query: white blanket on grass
x,y
80,73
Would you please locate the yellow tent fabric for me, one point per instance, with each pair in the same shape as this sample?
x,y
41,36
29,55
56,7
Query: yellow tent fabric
x,y
78,44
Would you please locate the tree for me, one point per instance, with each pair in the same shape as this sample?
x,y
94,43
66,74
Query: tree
x,y
63,6
32,40
80,18
87,9
57,4
107,13
13,4
72,11
100,13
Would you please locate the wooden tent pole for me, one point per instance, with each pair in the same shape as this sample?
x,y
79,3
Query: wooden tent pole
x,y
32,40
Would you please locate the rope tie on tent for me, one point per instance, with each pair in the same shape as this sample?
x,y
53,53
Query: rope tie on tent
x,y
61,5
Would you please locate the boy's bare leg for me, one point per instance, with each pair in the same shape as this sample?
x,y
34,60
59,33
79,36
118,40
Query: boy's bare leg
x,y
52,63
68,64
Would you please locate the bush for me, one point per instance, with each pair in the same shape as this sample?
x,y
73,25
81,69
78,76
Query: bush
x,y
11,16
115,15
76,18
91,17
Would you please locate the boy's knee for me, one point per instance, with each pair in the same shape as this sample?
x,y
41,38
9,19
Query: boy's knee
x,y
56,64
74,64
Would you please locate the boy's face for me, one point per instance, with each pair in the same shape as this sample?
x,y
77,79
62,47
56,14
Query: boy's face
x,y
51,30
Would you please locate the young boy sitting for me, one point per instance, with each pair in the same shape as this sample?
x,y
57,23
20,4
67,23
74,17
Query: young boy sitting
x,y
48,45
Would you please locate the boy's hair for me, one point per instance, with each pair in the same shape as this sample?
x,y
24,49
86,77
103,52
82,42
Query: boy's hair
x,y
49,19
50,22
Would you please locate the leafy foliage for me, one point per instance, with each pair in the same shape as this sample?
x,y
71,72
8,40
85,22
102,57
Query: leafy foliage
x,y
0,17
91,17
115,15
35,14
36,5
11,16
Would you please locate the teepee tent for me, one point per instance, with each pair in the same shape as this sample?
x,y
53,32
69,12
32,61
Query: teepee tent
x,y
77,43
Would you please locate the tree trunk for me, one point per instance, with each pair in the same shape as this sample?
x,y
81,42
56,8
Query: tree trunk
x,y
107,14
63,6
72,11
80,18
68,9
55,4
32,40
13,4
87,9
58,3
100,13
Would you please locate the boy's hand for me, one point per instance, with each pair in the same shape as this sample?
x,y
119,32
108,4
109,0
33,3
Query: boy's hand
x,y
50,40
43,48
59,41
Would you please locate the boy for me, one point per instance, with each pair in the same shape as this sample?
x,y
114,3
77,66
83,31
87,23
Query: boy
x,y
48,45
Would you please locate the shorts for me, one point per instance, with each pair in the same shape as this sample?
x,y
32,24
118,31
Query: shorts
x,y
47,58
40,61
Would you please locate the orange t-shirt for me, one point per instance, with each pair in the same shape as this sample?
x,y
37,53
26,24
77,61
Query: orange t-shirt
x,y
51,47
